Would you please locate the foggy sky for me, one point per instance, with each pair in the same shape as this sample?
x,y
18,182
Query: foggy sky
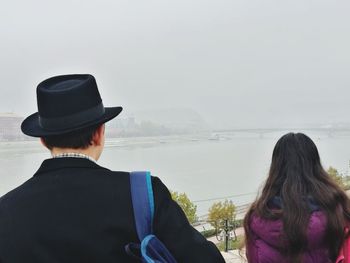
x,y
238,63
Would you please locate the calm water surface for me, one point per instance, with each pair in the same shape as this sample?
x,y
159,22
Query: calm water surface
x,y
202,166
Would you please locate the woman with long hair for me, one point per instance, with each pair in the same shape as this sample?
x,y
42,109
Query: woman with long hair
x,y
301,212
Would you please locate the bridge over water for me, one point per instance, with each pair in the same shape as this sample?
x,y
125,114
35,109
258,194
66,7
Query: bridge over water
x,y
330,131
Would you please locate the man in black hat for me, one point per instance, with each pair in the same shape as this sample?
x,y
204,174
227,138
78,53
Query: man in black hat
x,y
72,209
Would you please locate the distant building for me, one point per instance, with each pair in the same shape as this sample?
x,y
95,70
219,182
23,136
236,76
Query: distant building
x,y
121,127
123,123
10,127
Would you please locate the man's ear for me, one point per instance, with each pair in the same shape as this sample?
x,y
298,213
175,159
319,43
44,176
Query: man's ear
x,y
43,142
97,139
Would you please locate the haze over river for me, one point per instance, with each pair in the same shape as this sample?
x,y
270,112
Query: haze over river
x,y
204,166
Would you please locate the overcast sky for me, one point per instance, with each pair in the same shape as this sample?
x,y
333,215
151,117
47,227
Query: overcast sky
x,y
236,62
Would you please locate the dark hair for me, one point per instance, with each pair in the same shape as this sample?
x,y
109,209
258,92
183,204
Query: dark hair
x,y
80,139
296,173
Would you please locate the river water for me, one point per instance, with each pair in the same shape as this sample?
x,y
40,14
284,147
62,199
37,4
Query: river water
x,y
207,168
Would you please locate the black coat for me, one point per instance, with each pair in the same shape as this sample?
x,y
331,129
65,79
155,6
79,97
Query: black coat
x,y
75,211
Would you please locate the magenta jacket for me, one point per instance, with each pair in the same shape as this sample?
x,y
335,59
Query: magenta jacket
x,y
265,243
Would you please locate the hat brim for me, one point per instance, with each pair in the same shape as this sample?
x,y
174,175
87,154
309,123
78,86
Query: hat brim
x,y
31,127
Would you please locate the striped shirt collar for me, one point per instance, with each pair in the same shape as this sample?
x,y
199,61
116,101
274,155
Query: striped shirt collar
x,y
73,155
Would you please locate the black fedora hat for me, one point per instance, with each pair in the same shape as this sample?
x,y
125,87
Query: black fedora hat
x,y
67,103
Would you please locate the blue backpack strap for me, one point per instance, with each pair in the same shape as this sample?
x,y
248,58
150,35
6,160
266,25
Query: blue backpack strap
x,y
143,202
151,249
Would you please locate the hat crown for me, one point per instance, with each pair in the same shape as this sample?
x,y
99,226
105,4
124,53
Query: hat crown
x,y
64,85
65,95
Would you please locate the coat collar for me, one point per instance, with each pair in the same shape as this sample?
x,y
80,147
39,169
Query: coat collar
x,y
277,202
61,163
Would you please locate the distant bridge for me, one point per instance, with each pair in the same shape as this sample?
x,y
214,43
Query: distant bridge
x,y
330,131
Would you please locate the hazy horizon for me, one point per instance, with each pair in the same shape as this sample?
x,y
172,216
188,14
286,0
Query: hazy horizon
x,y
237,63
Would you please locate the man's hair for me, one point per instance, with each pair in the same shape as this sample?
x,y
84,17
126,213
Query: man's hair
x,y
80,139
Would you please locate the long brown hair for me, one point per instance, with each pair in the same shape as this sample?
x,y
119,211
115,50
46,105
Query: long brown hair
x,y
296,173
